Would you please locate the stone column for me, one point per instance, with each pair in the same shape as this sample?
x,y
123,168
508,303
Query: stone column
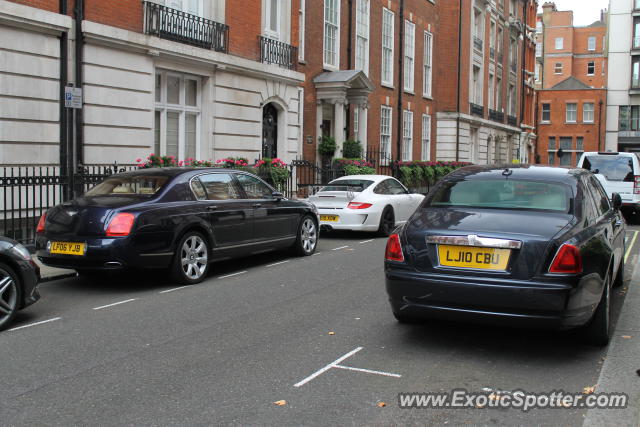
x,y
362,126
318,132
338,125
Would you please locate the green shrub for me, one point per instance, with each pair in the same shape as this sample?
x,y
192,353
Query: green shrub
x,y
351,149
327,146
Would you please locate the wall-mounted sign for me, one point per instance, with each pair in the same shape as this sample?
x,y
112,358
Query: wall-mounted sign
x,y
72,97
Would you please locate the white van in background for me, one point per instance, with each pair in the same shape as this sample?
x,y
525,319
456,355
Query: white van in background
x,y
618,173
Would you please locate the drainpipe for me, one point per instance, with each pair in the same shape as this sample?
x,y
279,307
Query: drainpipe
x,y
400,80
64,56
459,81
349,49
524,74
79,148
600,148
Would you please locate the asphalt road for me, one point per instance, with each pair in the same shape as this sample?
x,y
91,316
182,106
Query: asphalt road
x,y
138,350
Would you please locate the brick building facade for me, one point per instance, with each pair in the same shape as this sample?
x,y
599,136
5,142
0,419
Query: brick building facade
x,y
190,78
572,95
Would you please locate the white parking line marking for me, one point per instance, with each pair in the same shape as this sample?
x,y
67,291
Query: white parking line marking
x,y
341,247
367,241
34,324
368,371
317,253
336,364
326,368
635,236
115,303
174,289
232,274
277,263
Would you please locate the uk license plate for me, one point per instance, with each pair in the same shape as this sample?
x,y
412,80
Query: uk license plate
x,y
474,257
67,248
329,218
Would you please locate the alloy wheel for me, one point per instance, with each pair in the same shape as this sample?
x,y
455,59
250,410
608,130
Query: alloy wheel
x,y
194,257
309,235
8,297
388,221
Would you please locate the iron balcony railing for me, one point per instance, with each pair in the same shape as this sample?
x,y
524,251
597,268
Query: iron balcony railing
x,y
496,116
477,43
477,110
279,53
512,120
182,27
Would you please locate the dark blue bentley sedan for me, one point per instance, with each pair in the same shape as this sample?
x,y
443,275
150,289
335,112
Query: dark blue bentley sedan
x,y
522,245
179,219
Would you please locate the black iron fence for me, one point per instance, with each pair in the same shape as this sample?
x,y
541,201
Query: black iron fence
x,y
179,26
279,53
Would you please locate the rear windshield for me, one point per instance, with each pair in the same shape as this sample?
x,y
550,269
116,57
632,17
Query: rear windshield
x,y
504,194
146,185
614,168
354,185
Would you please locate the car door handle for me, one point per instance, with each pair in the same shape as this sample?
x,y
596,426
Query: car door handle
x,y
618,222
212,208
256,205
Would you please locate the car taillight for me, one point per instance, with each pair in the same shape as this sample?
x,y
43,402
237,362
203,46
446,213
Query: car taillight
x,y
567,260
636,184
394,249
357,205
41,222
120,225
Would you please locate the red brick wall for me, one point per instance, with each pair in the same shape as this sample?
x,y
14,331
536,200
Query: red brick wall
x,y
125,14
50,5
592,133
244,20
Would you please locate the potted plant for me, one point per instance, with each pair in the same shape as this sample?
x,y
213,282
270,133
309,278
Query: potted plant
x,y
327,149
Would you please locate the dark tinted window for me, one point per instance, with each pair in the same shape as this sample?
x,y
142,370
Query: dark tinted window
x,y
355,185
146,185
504,194
395,187
219,186
589,205
198,189
254,188
602,200
614,168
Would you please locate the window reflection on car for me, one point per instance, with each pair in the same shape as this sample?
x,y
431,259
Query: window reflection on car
x,y
134,185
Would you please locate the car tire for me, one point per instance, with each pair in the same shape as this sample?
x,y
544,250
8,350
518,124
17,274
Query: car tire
x,y
387,222
598,330
619,281
191,260
306,237
10,295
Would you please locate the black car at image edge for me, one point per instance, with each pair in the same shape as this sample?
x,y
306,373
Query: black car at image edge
x,y
517,245
179,219
19,276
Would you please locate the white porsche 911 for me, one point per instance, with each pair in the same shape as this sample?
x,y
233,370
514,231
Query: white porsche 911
x,y
365,203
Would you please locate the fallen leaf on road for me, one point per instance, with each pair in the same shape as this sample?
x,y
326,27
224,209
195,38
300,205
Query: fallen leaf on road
x,y
626,337
589,390
332,333
280,402
381,404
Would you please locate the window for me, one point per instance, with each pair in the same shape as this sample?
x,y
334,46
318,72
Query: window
x,y
193,7
331,33
538,49
591,43
385,134
272,19
635,72
559,43
572,112
177,115
537,72
499,42
539,27
591,68
499,94
477,86
512,8
301,31
356,122
513,55
362,36
552,150
428,64
636,4
491,94
636,32
426,137
254,188
478,28
579,147
216,186
409,55
546,113
407,135
587,112
558,68
513,101
387,47
629,118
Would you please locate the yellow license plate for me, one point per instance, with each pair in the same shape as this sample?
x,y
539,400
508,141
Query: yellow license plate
x,y
67,248
329,218
473,257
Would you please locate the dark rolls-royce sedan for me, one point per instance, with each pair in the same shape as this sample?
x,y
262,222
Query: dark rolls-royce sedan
x,y
520,245
177,218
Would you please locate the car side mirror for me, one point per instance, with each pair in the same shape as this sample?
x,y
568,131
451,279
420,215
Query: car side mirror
x,y
277,195
616,200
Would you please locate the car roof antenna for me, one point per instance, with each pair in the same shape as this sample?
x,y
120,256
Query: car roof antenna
x,y
507,172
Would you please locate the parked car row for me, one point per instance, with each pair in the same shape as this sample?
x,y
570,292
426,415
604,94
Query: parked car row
x,y
522,245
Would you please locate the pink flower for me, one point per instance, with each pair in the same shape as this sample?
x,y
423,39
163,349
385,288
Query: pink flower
x,y
138,160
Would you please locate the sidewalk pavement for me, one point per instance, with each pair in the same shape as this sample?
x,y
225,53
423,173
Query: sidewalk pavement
x,y
51,273
621,370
